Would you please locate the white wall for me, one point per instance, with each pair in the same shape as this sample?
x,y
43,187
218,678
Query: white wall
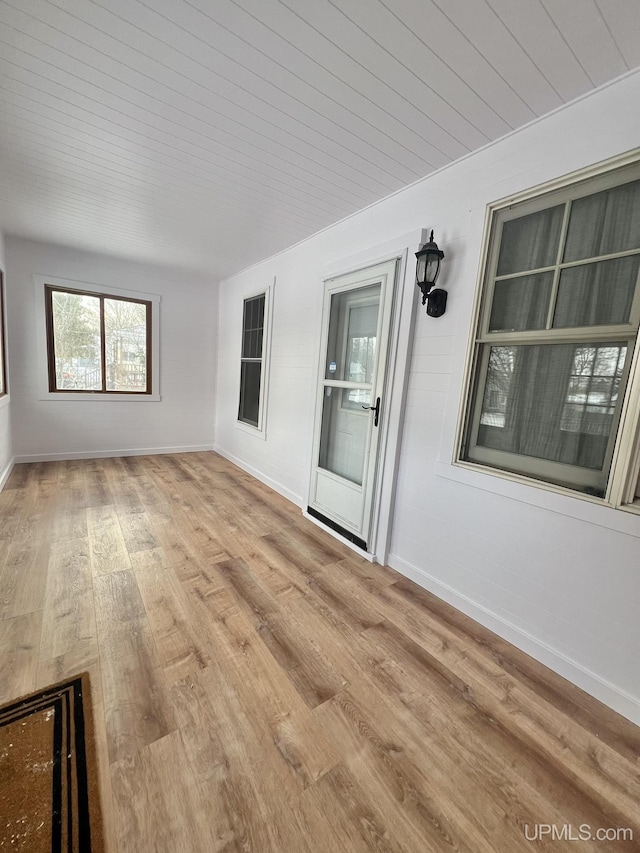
x,y
6,449
182,420
557,576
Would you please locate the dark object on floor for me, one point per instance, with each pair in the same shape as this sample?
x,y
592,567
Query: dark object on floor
x,y
49,796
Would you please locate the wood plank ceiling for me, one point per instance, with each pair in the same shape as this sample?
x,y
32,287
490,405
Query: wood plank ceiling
x,y
212,133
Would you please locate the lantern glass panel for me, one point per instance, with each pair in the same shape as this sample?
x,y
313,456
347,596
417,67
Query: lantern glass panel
x,y
422,261
432,269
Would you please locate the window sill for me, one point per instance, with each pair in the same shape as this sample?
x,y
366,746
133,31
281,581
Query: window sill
x,y
633,508
251,430
61,396
545,496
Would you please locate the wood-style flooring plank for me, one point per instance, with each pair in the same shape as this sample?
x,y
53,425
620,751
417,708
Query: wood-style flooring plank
x,y
69,619
70,516
251,811
180,649
37,512
359,823
19,647
23,577
157,802
447,814
123,488
106,542
287,640
12,504
137,709
137,531
97,491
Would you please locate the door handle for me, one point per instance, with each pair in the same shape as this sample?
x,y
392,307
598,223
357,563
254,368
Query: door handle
x,y
375,409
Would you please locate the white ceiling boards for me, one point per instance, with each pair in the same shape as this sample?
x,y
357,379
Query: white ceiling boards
x,y
210,134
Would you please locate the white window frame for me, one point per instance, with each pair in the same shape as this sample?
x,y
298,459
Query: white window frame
x,y
39,283
259,431
625,460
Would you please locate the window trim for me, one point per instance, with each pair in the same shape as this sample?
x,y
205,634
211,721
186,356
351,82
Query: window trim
x,y
47,284
259,431
625,462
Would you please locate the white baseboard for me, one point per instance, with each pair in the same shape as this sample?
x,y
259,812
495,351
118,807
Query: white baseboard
x,y
100,454
607,693
273,484
4,476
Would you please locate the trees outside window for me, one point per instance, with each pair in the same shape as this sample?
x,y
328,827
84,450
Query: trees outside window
x,y
97,343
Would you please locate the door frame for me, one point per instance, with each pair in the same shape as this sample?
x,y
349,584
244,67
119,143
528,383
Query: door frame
x,y
347,504
397,375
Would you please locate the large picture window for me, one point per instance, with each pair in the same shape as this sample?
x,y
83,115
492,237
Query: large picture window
x,y
97,343
557,331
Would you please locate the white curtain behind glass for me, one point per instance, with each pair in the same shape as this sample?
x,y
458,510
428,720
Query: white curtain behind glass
x,y
557,401
604,223
552,401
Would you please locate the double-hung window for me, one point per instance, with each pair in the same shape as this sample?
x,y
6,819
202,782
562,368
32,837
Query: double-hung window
x,y
252,361
556,334
97,343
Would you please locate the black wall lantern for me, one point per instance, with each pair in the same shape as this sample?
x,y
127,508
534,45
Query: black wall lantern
x,y
427,270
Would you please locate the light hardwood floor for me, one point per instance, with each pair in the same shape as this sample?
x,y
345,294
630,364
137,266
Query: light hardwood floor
x,y
258,687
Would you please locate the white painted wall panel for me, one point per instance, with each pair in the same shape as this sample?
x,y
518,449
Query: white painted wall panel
x,y
553,574
183,418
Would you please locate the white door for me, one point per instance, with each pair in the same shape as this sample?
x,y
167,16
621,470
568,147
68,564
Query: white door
x,y
351,399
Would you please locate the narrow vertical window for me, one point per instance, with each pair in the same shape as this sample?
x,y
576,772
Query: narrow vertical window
x,y
3,368
252,362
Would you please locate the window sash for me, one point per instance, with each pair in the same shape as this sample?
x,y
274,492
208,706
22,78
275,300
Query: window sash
x,y
254,326
558,473
549,332
574,476
51,348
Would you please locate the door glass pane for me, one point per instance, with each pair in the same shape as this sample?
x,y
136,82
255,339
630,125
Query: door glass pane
x,y
597,294
552,401
361,342
355,398
125,336
352,342
76,337
250,372
531,241
521,303
344,436
604,223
